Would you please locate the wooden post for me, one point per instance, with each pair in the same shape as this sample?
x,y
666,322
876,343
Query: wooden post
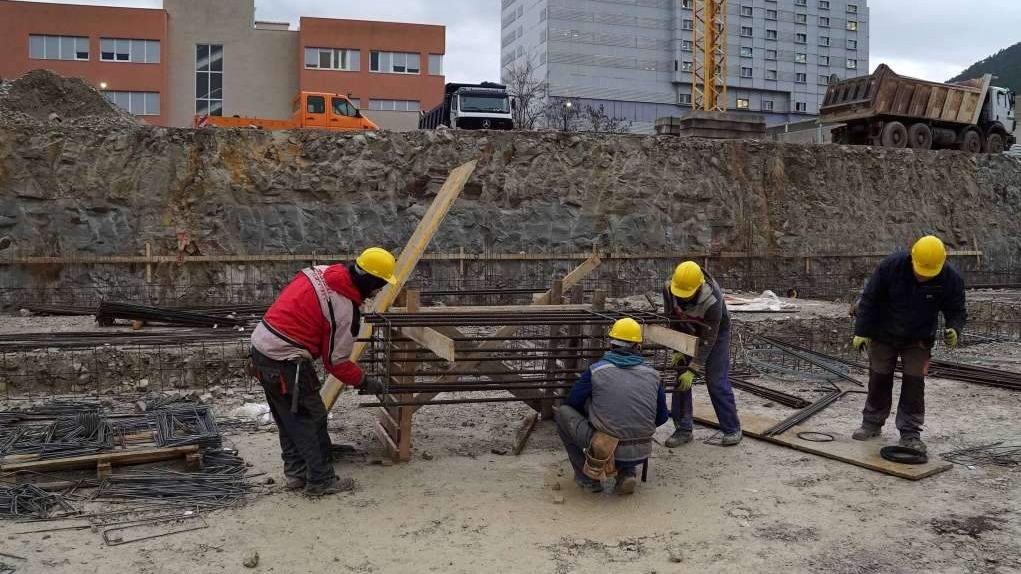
x,y
404,413
595,331
556,298
148,265
577,297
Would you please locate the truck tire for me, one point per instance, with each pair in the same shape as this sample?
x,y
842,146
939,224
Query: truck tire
x,y
971,142
995,144
920,137
894,135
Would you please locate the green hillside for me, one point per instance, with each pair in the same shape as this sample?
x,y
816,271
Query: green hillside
x,y
1006,64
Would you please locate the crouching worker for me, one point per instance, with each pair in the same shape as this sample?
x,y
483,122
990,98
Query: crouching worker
x,y
315,316
608,419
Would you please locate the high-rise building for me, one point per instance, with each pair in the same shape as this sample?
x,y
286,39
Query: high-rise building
x,y
214,58
635,58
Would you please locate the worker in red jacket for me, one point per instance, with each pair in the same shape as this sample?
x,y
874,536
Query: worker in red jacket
x,y
315,316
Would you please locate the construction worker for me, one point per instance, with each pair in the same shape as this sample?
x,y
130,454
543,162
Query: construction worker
x,y
896,317
694,302
315,316
618,400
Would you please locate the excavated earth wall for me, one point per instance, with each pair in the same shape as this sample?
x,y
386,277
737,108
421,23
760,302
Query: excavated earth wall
x,y
68,190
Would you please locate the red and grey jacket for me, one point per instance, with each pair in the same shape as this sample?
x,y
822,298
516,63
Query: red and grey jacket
x,y
311,318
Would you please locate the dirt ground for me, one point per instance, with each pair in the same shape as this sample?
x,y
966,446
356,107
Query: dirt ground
x,y
463,505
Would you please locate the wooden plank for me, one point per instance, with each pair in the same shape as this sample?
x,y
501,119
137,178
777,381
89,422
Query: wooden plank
x,y
495,308
431,339
523,432
406,263
386,441
115,458
671,339
858,453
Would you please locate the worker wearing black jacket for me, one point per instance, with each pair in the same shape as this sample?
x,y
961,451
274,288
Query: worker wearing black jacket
x,y
897,317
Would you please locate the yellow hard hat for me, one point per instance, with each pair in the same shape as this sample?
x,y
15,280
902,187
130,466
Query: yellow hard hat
x,y
378,262
928,256
688,277
626,329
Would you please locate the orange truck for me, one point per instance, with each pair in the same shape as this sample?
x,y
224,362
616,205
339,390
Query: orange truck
x,y
311,110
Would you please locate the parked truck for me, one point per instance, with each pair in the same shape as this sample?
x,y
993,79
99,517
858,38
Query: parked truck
x,y
896,111
485,106
310,110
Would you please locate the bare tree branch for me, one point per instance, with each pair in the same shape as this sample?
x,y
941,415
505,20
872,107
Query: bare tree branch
x,y
528,91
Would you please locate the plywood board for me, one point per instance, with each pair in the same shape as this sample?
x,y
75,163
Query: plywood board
x,y
859,453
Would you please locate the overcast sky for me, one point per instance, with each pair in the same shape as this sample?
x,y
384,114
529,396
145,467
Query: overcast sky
x,y
931,39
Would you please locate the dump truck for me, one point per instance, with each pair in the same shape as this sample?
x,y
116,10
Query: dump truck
x,y
485,106
889,110
310,110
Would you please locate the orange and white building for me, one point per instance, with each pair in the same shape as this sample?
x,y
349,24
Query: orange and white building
x,y
213,58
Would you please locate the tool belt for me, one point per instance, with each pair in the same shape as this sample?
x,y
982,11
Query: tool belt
x,y
599,461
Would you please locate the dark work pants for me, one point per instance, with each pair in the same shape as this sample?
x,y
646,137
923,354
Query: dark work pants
x,y
717,371
304,440
576,433
911,408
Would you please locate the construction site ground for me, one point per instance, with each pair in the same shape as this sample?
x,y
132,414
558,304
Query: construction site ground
x,y
465,504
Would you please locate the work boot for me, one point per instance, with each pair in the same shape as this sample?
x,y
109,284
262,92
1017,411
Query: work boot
x,y
866,432
295,483
626,482
732,439
589,485
332,486
678,438
913,442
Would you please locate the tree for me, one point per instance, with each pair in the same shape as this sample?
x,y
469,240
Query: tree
x,y
600,122
562,114
528,92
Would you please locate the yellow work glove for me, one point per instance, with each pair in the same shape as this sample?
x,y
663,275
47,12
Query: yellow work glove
x,y
684,381
950,338
678,359
860,344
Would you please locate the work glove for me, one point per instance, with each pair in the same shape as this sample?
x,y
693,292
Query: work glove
x,y
950,338
679,360
371,387
860,344
684,380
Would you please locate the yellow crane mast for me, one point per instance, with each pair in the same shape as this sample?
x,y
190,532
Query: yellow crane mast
x,y
709,71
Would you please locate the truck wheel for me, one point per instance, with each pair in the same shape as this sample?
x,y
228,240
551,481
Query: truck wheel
x,y
894,135
920,137
994,144
971,143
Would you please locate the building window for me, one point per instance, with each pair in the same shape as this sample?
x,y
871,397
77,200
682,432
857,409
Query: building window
x,y
686,45
127,50
746,72
801,18
58,47
824,22
852,8
801,38
743,104
852,25
824,4
686,4
395,105
209,79
801,58
746,52
333,59
435,64
801,78
770,54
688,24
852,64
137,103
770,74
771,34
801,2
824,60
767,105
824,40
746,31
823,79
394,62
800,107
746,11
686,66
770,14
684,99
852,44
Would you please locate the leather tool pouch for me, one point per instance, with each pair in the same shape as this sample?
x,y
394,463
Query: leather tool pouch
x,y
599,462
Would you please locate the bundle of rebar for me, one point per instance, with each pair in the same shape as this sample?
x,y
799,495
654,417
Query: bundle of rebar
x,y
996,454
92,340
186,425
29,501
221,483
774,395
109,311
83,434
976,375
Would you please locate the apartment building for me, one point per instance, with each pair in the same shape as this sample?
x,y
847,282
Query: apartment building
x,y
635,57
213,58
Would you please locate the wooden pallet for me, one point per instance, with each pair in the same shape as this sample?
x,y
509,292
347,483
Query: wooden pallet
x,y
104,462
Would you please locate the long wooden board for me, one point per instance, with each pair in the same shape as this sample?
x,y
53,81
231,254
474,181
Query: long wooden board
x,y
859,453
406,263
681,342
114,458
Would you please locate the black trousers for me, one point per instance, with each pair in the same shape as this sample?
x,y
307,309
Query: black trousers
x,y
301,420
911,408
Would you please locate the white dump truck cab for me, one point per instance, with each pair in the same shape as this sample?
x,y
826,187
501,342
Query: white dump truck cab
x,y
1002,106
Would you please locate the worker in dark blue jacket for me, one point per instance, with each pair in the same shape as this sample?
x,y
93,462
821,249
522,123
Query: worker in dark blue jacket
x,y
620,396
897,317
